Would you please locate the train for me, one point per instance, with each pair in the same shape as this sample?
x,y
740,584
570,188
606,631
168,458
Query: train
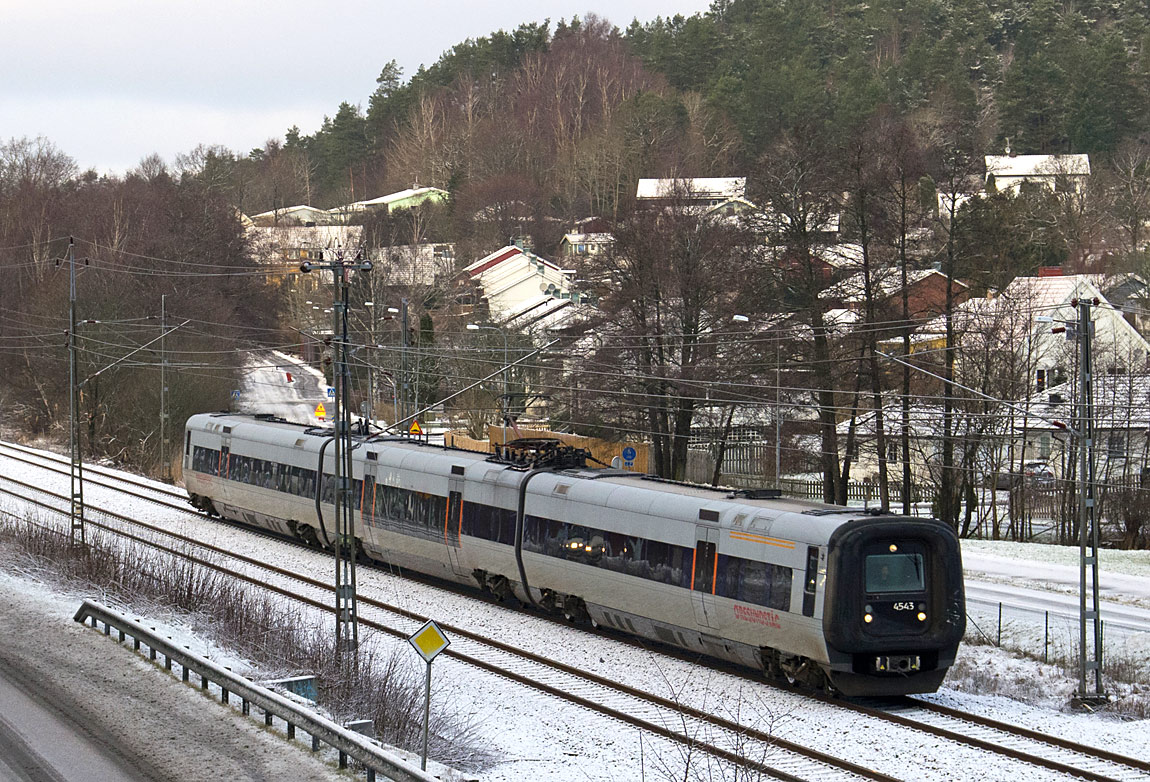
x,y
848,600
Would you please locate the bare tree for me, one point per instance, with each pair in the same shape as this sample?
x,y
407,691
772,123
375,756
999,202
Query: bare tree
x,y
795,189
665,290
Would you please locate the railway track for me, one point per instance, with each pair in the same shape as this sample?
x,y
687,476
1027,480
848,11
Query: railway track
x,y
742,745
728,740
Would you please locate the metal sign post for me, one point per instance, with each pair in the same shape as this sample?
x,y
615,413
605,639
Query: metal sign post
x,y
428,641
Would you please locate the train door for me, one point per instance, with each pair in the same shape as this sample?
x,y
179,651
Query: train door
x,y
703,572
222,469
453,522
367,510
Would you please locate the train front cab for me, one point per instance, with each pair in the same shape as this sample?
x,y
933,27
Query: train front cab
x,y
894,609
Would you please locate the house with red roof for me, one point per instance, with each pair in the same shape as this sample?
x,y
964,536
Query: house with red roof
x,y
511,278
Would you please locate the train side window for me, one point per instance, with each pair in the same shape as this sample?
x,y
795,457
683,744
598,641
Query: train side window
x,y
439,509
507,526
781,578
811,582
534,533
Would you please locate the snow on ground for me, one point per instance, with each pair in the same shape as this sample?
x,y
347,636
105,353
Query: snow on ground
x,y
537,738
1124,576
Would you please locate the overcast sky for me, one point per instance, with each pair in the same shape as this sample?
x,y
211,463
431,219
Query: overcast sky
x,y
111,81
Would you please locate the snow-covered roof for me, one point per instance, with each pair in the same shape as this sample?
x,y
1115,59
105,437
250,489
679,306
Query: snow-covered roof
x,y
1120,402
694,188
599,238
510,253
1037,165
839,256
389,199
886,281
301,212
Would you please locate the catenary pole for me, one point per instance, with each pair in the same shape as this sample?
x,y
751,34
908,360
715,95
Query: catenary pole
x,y
166,467
346,613
76,514
1089,616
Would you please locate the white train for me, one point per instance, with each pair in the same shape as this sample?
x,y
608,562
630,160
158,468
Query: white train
x,y
836,597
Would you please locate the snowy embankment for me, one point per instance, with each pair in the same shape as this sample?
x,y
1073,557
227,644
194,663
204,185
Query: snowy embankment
x,y
93,710
537,738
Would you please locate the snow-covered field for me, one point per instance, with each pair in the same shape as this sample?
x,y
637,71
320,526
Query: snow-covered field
x,y
534,737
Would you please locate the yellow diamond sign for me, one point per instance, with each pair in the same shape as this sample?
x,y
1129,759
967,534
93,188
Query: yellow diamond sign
x,y
429,640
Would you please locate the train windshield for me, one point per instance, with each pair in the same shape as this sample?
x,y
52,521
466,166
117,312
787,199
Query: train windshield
x,y
894,573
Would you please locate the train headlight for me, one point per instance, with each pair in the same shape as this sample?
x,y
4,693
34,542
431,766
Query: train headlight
x,y
868,618
922,616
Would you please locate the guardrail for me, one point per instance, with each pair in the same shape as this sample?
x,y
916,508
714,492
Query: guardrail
x,y
348,743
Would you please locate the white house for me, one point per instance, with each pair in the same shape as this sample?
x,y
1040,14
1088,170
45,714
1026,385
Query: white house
x,y
295,243
413,264
708,191
1030,318
581,245
511,277
293,215
1056,173
412,196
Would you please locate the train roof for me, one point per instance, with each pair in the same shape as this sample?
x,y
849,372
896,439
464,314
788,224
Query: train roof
x,y
639,492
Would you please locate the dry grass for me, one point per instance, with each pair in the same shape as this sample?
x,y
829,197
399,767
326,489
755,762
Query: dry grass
x,y
275,635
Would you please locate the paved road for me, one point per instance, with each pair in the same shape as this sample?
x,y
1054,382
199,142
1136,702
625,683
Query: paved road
x,y
39,743
1117,616
75,706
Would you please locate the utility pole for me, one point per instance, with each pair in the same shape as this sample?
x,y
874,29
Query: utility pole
x,y
346,614
77,460
778,418
1088,615
404,374
166,467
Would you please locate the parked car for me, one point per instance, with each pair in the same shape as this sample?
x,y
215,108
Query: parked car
x,y
1038,472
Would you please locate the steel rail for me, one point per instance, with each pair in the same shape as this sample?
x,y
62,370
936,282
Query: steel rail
x,y
1092,753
